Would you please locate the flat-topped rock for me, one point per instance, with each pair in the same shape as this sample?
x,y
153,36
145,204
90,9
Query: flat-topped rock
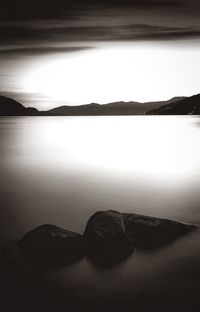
x,y
50,243
152,232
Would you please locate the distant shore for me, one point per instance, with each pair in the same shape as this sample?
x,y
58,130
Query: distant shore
x,y
174,106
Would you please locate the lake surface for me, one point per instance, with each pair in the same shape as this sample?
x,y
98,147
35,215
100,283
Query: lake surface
x,y
61,170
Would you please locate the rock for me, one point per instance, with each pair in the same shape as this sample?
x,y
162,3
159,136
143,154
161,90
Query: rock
x,y
109,237
111,232
106,236
48,245
151,232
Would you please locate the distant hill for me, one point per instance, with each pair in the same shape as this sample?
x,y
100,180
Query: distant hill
x,y
10,107
186,106
115,108
174,106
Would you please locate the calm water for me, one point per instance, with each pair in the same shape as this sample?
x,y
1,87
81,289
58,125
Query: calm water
x,y
61,170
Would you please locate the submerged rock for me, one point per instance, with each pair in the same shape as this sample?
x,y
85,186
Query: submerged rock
x,y
106,236
48,244
151,232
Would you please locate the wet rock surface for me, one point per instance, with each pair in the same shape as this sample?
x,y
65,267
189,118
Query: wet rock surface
x,y
151,232
106,237
48,245
109,237
124,230
106,228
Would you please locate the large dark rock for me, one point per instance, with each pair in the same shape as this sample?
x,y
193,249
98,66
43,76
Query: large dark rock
x,y
150,232
106,236
111,232
48,245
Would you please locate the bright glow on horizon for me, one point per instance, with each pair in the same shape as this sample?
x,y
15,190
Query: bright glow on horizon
x,y
114,146
123,73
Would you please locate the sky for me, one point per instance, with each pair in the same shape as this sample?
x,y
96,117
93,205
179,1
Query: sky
x,y
76,52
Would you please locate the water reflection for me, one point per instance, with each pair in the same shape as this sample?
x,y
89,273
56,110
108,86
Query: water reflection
x,y
62,169
164,146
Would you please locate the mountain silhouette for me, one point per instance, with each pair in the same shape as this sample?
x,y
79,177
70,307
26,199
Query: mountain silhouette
x,y
186,106
174,106
115,108
10,107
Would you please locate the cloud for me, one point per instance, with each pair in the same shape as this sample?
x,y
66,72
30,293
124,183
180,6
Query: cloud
x,y
66,34
44,26
30,99
156,32
42,50
45,9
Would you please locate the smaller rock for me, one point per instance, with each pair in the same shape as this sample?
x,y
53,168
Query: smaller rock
x,y
49,244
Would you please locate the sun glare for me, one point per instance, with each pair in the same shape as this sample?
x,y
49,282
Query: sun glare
x,y
116,145
113,74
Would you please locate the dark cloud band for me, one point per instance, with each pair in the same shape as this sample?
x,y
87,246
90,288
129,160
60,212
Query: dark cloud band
x,y
42,50
63,34
46,26
45,9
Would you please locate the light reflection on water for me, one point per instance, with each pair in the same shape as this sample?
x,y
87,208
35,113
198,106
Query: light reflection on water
x,y
62,169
